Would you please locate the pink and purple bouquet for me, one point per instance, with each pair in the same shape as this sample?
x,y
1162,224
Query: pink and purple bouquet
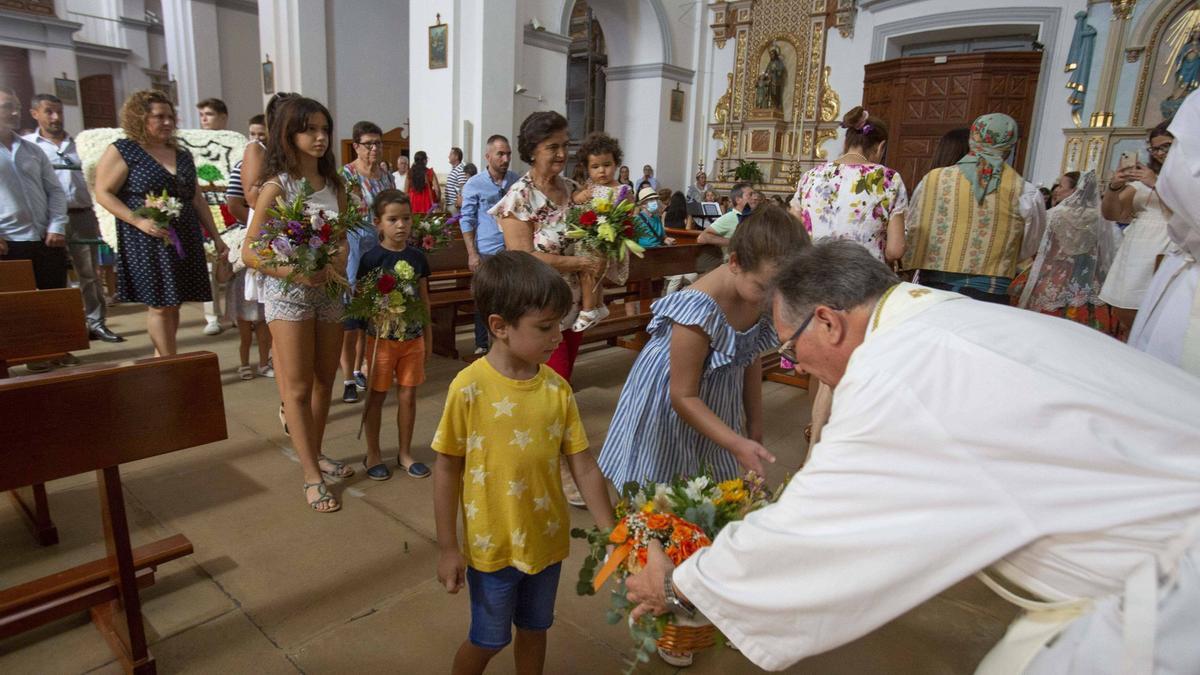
x,y
305,241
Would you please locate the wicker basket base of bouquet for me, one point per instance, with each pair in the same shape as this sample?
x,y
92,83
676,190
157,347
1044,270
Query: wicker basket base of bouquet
x,y
688,635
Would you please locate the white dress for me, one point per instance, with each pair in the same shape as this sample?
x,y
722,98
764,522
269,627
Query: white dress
x,y
1144,240
965,434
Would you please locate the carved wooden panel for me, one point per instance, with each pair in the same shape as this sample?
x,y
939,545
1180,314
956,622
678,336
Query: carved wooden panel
x,y
920,100
760,140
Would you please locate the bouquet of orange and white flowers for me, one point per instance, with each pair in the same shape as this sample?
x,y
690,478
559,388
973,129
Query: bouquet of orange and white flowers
x,y
162,209
684,516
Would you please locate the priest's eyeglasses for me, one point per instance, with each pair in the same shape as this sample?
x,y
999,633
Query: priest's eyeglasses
x,y
786,349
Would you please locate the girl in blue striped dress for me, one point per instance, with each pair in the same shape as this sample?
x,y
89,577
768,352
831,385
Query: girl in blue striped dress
x,y
694,397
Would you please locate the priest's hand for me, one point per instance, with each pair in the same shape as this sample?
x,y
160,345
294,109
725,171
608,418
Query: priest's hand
x,y
646,587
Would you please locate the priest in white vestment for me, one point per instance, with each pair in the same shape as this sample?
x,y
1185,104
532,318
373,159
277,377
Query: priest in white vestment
x,y
965,436
1168,323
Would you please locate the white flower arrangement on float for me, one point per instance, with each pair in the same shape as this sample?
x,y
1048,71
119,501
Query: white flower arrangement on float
x,y
220,150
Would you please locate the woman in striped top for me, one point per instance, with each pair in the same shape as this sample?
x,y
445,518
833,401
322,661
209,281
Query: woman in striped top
x,y
693,399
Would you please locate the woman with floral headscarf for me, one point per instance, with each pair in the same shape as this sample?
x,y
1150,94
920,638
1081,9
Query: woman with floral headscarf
x,y
971,222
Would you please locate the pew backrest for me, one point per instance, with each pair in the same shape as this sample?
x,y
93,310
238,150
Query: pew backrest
x,y
92,417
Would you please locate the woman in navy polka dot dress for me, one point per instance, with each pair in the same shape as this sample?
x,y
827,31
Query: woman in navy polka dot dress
x,y
149,269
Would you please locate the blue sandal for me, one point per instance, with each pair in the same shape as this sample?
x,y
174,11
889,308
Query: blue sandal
x,y
379,471
323,497
415,470
340,469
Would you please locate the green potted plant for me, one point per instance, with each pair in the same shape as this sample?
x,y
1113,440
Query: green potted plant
x,y
748,172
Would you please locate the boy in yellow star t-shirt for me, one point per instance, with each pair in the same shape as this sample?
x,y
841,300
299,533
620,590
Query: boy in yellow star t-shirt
x,y
507,420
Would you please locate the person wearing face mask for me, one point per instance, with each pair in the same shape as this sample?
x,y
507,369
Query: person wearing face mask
x,y
649,220
1168,321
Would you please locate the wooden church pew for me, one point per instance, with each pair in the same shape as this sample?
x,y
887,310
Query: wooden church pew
x,y
39,325
16,275
146,408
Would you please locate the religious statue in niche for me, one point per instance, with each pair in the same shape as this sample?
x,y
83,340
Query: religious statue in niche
x,y
1184,60
1079,64
768,92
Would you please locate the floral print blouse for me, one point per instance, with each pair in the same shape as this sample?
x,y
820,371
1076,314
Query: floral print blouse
x,y
851,201
528,204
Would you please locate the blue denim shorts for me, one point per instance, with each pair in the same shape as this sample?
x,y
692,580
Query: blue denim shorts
x,y
510,597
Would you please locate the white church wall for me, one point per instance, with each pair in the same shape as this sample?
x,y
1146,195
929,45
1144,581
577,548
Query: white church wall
x,y
367,42
883,19
239,65
487,77
632,114
430,111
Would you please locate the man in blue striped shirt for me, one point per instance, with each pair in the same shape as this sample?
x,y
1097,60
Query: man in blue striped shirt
x,y
481,234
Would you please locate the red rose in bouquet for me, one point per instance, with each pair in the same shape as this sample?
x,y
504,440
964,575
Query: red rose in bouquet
x,y
588,219
386,283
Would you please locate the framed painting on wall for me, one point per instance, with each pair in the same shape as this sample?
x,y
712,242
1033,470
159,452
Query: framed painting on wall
x,y
677,105
268,76
439,36
65,90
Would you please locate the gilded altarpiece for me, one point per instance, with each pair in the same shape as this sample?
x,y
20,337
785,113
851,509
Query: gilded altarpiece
x,y
1165,45
782,134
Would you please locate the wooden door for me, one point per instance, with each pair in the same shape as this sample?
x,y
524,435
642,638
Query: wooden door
x,y
920,100
14,73
99,101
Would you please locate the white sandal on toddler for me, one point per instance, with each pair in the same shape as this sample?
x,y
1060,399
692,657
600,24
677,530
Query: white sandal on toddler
x,y
588,318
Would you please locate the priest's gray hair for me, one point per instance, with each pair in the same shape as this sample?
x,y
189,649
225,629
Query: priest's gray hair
x,y
836,273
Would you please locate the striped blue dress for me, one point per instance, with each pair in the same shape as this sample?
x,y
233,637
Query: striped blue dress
x,y
647,440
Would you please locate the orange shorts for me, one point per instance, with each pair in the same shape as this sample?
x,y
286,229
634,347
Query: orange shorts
x,y
400,360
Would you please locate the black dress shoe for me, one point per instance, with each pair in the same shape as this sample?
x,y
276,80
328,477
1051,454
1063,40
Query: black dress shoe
x,y
103,333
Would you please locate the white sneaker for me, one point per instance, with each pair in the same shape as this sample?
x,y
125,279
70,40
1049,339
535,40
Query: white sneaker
x,y
213,328
481,351
266,371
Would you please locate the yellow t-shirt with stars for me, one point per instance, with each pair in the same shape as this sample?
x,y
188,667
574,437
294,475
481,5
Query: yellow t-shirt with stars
x,y
511,433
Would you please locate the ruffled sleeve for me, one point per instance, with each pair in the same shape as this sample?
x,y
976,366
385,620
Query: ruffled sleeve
x,y
767,339
517,203
897,193
695,308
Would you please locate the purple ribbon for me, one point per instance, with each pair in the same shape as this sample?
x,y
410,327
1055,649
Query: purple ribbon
x,y
175,240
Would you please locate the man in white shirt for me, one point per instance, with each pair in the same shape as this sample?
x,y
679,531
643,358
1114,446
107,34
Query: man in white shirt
x,y
964,436
33,208
454,181
83,230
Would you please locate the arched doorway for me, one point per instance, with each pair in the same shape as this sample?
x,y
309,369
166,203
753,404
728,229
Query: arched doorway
x,y
587,60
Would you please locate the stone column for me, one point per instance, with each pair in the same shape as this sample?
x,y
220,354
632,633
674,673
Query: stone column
x,y
292,34
193,48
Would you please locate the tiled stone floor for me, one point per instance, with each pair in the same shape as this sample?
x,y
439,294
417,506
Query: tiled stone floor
x,y
276,588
